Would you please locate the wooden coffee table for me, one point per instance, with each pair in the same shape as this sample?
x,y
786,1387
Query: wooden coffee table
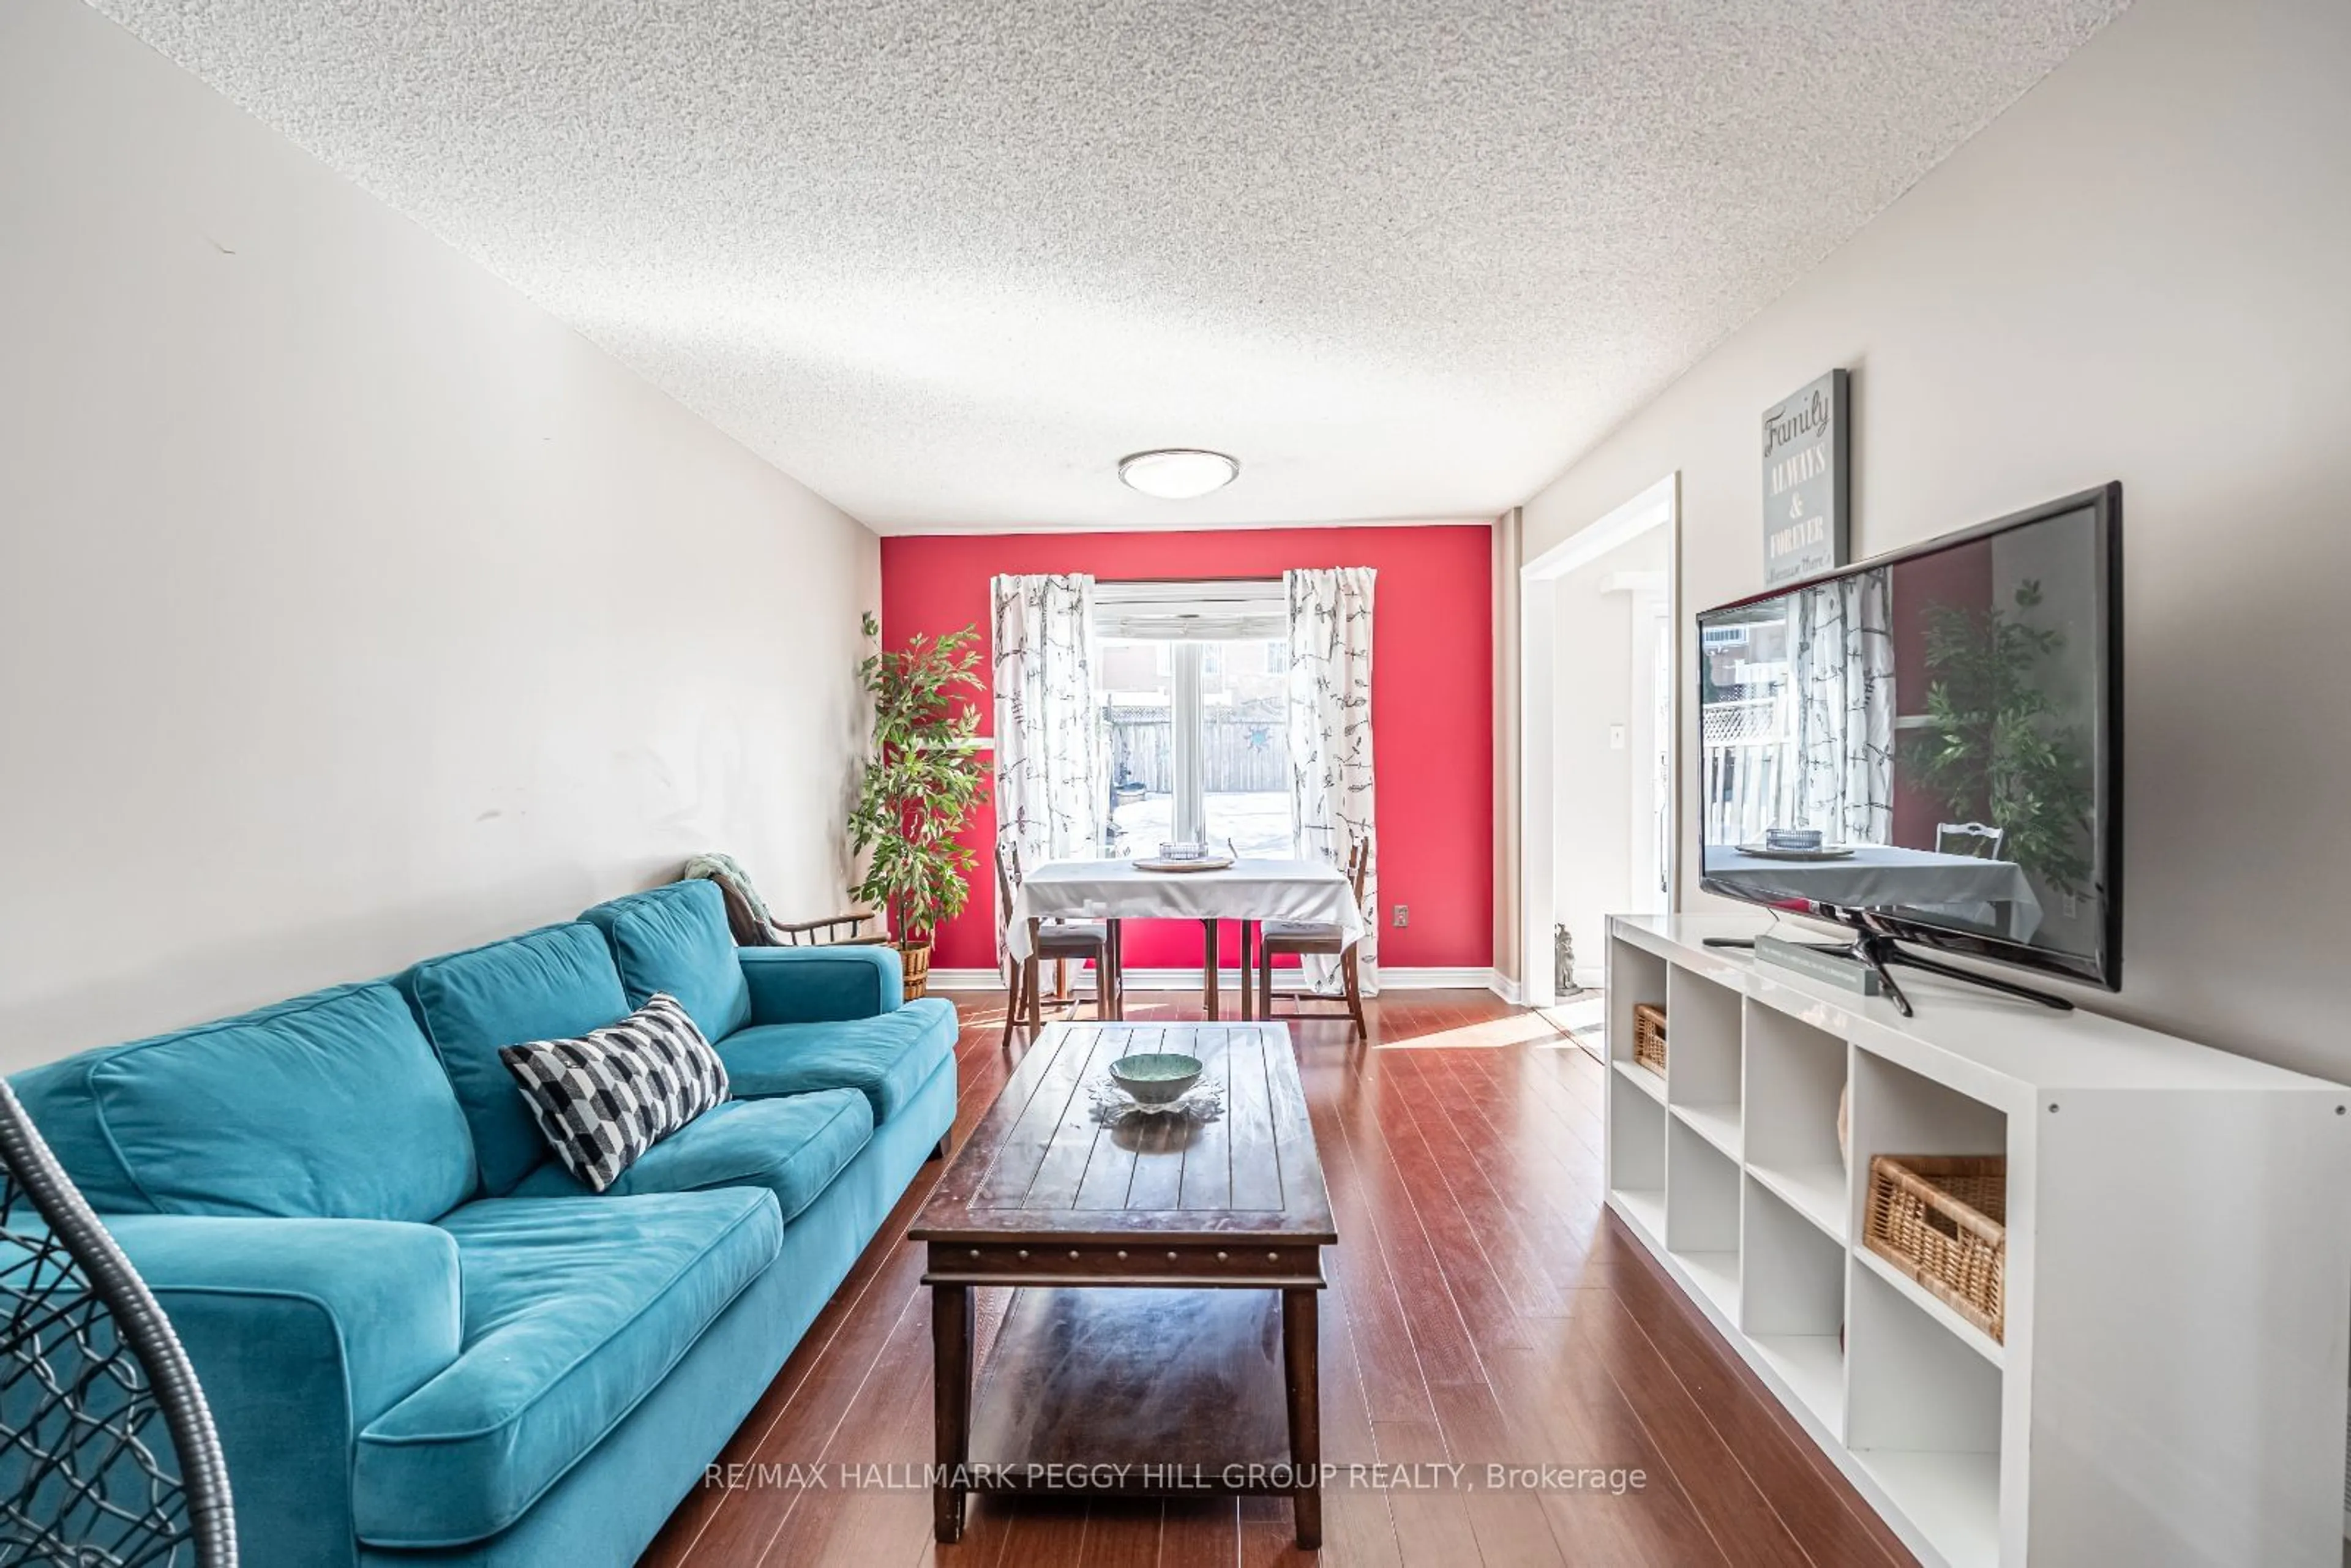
x,y
1116,1369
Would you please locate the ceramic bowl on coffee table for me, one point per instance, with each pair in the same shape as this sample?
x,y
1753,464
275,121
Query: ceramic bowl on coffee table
x,y
1155,1078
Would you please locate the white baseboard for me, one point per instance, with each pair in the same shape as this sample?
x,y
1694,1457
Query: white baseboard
x,y
967,980
1463,979
1391,979
1588,977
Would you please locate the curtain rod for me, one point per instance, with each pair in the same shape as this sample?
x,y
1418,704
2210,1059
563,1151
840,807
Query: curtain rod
x,y
1258,576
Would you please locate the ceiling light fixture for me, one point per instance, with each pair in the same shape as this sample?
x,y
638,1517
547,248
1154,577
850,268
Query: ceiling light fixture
x,y
1176,472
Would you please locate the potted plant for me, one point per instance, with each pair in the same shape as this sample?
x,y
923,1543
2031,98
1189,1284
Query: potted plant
x,y
922,782
1996,746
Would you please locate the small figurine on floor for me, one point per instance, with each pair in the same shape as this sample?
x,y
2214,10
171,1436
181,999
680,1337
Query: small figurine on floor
x,y
1562,964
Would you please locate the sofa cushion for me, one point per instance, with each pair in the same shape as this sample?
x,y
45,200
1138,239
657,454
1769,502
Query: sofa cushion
x,y
328,1106
575,1309
676,939
793,1146
603,1099
548,984
816,985
886,1058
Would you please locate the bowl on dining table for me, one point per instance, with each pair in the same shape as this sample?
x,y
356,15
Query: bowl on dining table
x,y
1155,1077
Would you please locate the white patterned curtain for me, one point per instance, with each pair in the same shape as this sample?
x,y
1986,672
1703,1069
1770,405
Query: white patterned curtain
x,y
1049,797
1840,663
1330,792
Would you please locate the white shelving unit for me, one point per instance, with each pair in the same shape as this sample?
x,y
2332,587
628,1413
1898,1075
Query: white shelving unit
x,y
2169,1386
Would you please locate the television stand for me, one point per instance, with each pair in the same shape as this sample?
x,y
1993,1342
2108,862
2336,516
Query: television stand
x,y
1726,1173
1880,953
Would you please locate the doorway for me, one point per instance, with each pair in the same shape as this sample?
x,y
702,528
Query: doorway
x,y
1599,741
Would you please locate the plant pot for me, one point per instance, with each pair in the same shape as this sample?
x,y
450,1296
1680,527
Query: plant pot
x,y
916,958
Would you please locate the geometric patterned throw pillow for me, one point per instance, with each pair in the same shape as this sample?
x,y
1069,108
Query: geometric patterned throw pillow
x,y
602,1100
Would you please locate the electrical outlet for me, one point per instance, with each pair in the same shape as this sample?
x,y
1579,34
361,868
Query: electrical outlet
x,y
1403,914
1615,737
2073,906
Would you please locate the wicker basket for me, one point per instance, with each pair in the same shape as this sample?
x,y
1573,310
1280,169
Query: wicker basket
x,y
1649,1037
1942,1219
915,957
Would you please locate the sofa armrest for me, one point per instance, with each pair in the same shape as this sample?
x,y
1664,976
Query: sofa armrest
x,y
301,1331
822,984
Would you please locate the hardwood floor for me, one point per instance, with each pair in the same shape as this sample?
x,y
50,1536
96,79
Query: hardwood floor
x,y
1483,1309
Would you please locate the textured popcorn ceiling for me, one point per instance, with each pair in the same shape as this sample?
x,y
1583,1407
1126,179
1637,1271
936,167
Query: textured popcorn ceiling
x,y
947,262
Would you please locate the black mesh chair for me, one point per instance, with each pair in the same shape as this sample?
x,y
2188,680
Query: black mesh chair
x,y
108,1455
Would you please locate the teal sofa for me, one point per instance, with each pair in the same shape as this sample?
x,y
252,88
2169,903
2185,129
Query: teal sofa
x,y
423,1342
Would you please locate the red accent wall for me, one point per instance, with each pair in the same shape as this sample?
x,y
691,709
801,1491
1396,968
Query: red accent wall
x,y
1432,705
1952,576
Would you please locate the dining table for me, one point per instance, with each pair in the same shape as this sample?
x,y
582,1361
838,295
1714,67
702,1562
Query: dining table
x,y
1969,887
1248,892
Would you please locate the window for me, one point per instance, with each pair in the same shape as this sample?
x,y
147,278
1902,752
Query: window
x,y
1195,695
1744,724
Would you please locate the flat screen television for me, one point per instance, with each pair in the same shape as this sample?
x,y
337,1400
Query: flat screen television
x,y
1926,748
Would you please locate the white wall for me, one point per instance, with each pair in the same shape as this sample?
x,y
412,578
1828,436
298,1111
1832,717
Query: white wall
x,y
1592,783
351,608
2137,273
1508,948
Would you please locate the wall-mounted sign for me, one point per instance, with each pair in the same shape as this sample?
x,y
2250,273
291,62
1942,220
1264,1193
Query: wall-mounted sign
x,y
1806,460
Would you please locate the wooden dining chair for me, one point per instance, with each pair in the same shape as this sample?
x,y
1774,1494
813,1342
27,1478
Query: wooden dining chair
x,y
748,917
1978,840
1303,936
1054,939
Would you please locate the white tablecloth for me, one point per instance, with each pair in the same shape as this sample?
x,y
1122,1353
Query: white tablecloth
x,y
1879,876
1248,890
